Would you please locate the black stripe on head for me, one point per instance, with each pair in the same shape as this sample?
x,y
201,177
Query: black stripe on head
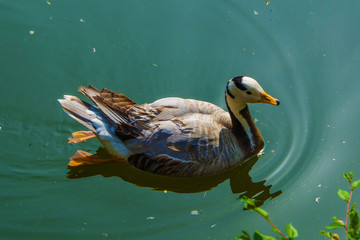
x,y
228,91
238,83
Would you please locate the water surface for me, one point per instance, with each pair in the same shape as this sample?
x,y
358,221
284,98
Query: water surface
x,y
304,53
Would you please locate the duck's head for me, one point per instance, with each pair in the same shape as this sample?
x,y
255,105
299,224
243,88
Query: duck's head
x,y
242,90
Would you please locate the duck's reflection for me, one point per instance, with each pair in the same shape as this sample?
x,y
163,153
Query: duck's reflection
x,y
240,180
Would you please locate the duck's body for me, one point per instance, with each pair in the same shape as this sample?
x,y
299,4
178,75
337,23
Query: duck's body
x,y
173,136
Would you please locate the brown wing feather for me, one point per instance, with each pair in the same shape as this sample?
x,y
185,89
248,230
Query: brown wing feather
x,y
115,107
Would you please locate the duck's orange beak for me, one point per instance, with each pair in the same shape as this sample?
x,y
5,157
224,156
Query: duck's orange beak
x,y
266,98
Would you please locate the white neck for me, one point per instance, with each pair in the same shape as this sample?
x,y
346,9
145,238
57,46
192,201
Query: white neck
x,y
236,107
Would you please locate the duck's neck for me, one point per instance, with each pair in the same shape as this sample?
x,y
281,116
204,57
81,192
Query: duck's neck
x,y
247,134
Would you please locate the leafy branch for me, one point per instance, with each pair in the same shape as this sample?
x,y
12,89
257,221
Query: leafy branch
x,y
351,225
250,204
352,228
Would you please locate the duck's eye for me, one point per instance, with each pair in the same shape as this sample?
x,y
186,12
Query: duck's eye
x,y
248,92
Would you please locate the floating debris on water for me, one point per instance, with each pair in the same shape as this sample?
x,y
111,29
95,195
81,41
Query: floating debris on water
x,y
267,3
195,212
334,159
31,32
256,13
105,234
212,226
319,185
83,228
82,20
343,141
48,3
94,50
317,199
165,191
155,65
150,218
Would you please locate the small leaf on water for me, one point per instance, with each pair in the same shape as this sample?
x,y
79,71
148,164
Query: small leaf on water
x,y
335,225
291,231
259,236
344,195
355,184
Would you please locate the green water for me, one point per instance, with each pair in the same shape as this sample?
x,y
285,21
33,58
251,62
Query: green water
x,y
305,53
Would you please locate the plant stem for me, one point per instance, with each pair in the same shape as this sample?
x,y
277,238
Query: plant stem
x,y
273,225
347,210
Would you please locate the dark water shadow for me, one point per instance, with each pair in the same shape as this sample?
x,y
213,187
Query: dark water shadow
x,y
240,180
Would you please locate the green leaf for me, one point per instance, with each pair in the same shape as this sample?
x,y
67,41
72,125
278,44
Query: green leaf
x,y
276,230
335,225
245,236
249,204
262,212
355,184
351,174
344,195
347,177
326,234
354,219
291,231
259,236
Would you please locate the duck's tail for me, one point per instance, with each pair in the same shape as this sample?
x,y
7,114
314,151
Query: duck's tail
x,y
79,110
106,119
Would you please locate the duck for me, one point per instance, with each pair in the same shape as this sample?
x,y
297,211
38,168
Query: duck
x,y
171,136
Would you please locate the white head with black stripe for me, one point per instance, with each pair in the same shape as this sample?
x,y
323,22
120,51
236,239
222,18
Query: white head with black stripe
x,y
242,90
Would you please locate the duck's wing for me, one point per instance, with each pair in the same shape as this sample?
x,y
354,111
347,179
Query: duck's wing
x,y
187,138
113,105
185,150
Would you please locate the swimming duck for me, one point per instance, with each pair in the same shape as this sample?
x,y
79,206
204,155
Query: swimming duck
x,y
171,136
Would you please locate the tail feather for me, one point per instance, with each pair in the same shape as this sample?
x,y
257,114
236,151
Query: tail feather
x,y
108,117
109,102
78,110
